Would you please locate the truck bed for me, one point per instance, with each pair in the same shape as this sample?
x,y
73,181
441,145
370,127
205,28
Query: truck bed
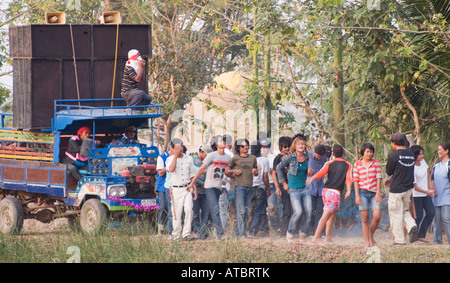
x,y
35,177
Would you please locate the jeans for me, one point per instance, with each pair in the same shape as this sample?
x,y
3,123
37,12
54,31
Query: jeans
x,y
164,212
135,97
301,203
421,204
286,211
200,221
223,207
243,204
273,211
260,217
442,215
213,196
316,214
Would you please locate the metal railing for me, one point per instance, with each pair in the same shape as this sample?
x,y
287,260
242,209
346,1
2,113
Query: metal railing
x,y
81,107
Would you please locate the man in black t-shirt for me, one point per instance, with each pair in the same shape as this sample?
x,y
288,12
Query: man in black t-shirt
x,y
284,144
400,166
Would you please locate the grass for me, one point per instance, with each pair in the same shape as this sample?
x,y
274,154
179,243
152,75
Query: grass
x,y
127,244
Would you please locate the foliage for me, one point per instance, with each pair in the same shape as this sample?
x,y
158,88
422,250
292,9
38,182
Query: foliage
x,y
390,84
184,61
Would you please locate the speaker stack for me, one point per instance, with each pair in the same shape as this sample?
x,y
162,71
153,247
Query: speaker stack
x,y
43,65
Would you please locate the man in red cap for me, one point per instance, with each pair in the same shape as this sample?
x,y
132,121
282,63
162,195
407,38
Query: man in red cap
x,y
133,73
73,158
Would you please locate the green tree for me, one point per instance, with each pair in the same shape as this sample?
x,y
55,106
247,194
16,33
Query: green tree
x,y
183,62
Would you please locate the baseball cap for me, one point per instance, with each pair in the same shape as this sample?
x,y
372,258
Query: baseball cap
x,y
134,54
265,143
206,148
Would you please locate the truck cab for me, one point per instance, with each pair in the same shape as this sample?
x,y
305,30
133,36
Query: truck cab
x,y
118,178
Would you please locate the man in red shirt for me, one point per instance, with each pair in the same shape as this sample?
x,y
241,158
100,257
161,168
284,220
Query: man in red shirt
x,y
339,174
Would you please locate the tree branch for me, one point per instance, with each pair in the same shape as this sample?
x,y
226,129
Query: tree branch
x,y
414,111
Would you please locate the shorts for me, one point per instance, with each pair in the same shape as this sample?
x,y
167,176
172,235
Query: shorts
x,y
331,199
368,200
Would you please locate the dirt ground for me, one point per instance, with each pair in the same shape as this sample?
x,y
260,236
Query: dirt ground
x,y
347,246
344,237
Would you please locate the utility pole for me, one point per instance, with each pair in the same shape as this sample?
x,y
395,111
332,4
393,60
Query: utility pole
x,y
338,96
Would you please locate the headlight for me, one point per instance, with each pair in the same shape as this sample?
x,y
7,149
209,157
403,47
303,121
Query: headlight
x,y
122,191
117,191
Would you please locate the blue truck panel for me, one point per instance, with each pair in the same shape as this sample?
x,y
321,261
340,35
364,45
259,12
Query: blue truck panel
x,y
109,166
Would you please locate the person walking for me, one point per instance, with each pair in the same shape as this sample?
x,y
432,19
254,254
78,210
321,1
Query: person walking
x,y
338,171
317,159
284,144
367,182
164,201
422,194
181,167
201,217
273,207
297,170
400,166
259,225
215,164
243,167
441,186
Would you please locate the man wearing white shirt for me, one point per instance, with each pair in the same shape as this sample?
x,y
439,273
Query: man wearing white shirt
x,y
181,167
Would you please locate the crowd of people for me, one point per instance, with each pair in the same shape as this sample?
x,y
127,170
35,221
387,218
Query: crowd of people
x,y
297,193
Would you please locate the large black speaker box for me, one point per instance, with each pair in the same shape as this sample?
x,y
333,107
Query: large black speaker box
x,y
44,69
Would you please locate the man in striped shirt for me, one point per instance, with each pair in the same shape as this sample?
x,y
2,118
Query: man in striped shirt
x,y
132,74
367,181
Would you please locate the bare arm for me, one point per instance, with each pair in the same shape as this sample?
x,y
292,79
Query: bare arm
x,y
141,71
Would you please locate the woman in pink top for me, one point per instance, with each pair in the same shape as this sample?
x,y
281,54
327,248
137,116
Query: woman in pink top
x,y
367,181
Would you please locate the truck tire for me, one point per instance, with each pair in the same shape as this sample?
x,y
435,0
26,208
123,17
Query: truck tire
x,y
11,215
92,217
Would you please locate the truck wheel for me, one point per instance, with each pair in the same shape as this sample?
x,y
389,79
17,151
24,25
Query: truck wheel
x,y
92,217
11,216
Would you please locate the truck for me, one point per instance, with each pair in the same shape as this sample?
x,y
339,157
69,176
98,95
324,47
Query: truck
x,y
120,179
67,76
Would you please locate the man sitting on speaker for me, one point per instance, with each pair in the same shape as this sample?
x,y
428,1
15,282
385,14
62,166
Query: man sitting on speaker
x,y
133,73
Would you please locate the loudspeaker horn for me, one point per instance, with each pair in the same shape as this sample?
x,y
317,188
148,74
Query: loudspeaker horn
x,y
52,18
112,17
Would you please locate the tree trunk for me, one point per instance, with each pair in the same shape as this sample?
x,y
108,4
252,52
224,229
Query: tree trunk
x,y
267,86
255,70
415,116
